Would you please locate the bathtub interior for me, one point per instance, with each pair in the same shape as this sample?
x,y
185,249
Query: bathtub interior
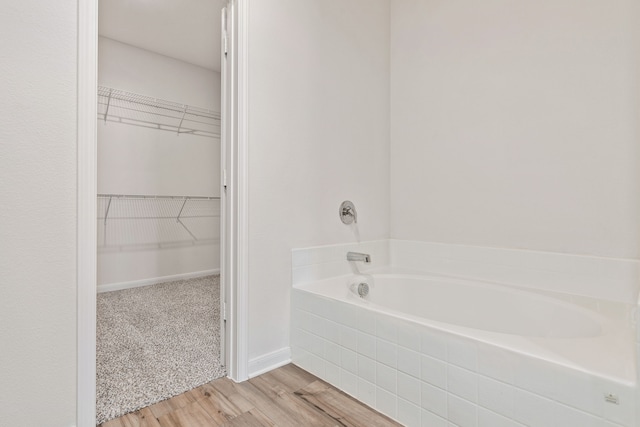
x,y
479,304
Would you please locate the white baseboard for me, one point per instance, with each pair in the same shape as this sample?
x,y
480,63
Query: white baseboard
x,y
269,361
108,287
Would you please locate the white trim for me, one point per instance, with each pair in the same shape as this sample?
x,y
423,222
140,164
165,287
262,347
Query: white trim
x,y
269,361
226,228
241,321
87,213
108,287
236,242
224,339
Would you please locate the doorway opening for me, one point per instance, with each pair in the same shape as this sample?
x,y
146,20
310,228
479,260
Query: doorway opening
x,y
160,319
233,199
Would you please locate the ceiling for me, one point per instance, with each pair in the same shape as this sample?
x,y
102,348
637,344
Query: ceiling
x,y
188,30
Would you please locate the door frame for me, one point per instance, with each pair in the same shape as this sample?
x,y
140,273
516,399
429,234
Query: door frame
x,y
235,195
236,288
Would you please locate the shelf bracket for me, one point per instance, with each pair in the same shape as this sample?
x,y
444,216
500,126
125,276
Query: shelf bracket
x,y
186,199
107,112
181,209
185,227
106,214
184,113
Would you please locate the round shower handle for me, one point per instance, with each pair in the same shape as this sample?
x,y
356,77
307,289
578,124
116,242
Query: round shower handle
x,y
348,213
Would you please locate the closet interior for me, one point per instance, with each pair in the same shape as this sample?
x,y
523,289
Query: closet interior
x,y
160,221
158,202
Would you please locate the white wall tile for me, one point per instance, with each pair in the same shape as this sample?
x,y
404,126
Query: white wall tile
x,y
433,399
308,341
347,315
570,417
367,368
533,410
349,360
409,336
496,396
408,413
386,377
429,419
299,319
580,390
300,257
386,402
434,344
332,374
386,328
317,365
487,418
301,275
349,337
316,325
409,362
316,263
387,353
536,376
496,363
367,392
433,371
348,382
463,353
461,412
317,345
378,249
332,352
332,331
367,321
408,388
367,345
462,383
300,357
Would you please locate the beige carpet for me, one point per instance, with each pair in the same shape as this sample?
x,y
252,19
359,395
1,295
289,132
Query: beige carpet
x,y
156,342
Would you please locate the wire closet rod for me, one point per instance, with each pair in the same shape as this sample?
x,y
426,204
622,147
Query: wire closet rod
x,y
141,196
115,105
148,101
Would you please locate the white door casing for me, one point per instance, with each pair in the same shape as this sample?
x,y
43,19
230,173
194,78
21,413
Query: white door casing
x,y
234,249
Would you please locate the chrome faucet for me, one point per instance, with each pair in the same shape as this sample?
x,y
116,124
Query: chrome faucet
x,y
357,256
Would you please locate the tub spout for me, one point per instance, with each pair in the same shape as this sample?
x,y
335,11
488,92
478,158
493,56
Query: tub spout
x,y
357,256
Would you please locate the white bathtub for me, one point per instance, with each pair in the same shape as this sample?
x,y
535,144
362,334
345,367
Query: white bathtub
x,y
470,304
566,351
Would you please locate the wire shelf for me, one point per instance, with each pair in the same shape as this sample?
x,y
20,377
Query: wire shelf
x,y
119,106
141,221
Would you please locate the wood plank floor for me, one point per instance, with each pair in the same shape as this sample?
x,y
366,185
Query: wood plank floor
x,y
287,397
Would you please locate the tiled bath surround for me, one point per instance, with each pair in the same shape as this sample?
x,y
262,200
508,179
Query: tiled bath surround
x,y
330,261
421,376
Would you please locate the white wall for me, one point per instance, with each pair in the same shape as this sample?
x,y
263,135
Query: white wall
x,y
318,135
138,160
515,124
137,70
38,42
